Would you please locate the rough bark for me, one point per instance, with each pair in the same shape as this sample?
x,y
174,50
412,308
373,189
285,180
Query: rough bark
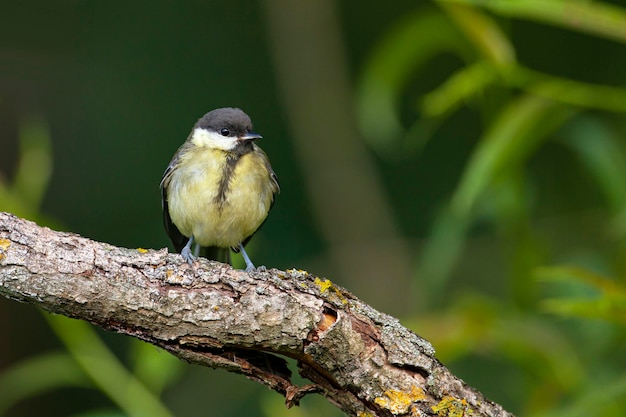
x,y
361,360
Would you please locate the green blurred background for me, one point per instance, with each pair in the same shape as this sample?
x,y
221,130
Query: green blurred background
x,y
460,164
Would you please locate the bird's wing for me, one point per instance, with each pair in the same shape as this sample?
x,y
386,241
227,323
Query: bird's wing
x,y
177,238
273,176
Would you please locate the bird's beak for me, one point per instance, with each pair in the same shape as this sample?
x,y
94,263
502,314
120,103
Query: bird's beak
x,y
250,136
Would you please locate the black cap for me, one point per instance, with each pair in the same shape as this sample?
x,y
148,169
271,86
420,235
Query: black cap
x,y
235,120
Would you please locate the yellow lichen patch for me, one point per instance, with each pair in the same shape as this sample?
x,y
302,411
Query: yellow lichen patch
x,y
452,407
399,402
364,414
324,285
142,250
4,244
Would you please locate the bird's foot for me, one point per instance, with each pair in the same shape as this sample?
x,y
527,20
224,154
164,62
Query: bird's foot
x,y
187,255
249,265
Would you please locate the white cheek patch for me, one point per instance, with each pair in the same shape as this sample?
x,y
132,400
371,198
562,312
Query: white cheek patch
x,y
203,137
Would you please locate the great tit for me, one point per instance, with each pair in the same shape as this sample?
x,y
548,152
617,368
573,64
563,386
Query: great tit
x,y
219,188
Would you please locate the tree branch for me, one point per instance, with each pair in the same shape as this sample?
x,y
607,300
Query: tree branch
x,y
361,360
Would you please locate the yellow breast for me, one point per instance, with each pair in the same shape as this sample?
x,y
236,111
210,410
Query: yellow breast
x,y
194,203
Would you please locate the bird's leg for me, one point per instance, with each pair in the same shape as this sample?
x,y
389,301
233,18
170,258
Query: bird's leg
x,y
186,252
249,264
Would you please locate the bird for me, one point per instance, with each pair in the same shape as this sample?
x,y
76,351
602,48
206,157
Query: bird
x,y
218,188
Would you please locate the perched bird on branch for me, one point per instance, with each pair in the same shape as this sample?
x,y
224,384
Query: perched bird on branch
x,y
219,188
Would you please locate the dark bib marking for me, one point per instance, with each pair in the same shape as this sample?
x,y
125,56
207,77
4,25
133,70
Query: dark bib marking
x,y
232,158
224,186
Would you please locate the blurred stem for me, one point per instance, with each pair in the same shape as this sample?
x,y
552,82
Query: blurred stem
x,y
343,185
104,369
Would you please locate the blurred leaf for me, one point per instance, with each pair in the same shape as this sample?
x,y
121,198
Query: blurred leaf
x,y
567,91
481,326
600,309
570,274
473,80
12,203
495,47
35,165
483,32
602,153
153,366
597,297
592,17
598,398
396,60
37,375
514,134
23,196
517,131
104,369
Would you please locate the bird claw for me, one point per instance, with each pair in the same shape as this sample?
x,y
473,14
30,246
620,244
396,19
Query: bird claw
x,y
187,255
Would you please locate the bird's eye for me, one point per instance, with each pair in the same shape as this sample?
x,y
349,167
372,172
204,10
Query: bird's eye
x,y
224,132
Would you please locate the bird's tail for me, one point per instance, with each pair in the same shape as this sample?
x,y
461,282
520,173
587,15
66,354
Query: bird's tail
x,y
215,253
